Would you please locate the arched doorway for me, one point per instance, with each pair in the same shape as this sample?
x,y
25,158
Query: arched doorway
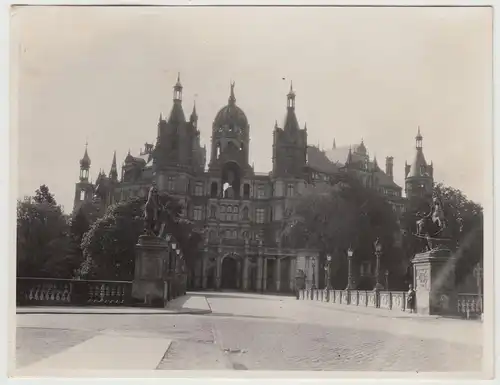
x,y
229,273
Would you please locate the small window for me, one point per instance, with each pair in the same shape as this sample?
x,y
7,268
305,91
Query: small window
x,y
198,189
260,216
261,193
246,191
245,213
213,211
197,213
236,210
82,195
214,190
290,190
229,209
171,183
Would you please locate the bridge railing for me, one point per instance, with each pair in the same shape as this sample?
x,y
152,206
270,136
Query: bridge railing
x,y
53,291
468,305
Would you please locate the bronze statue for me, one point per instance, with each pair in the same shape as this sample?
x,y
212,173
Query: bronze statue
x,y
152,212
432,226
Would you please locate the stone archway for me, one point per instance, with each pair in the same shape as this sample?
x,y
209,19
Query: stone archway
x,y
229,273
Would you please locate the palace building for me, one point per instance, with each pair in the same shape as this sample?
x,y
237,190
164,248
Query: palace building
x,y
239,210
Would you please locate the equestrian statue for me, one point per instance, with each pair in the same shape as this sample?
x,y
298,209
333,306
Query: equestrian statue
x,y
433,226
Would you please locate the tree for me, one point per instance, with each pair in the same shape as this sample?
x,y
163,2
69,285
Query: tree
x,y
109,245
43,244
43,195
346,215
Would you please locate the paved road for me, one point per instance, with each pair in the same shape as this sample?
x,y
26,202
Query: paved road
x,y
256,332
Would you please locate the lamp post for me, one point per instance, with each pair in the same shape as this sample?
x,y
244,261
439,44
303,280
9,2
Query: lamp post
x,y
350,285
478,274
327,269
378,253
313,286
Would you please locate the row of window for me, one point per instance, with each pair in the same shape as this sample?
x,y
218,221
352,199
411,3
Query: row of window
x,y
214,190
231,234
229,213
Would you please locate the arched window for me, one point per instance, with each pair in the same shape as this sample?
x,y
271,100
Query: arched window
x,y
245,213
229,209
213,211
236,210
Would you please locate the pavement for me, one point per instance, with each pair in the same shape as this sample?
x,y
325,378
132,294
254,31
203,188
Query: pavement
x,y
250,332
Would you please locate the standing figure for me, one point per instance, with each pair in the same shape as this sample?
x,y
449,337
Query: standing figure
x,y
410,299
152,212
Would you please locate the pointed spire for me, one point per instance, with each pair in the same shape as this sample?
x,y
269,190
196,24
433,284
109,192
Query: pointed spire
x,y
232,98
375,163
276,123
305,126
349,156
194,115
178,88
334,144
113,173
85,161
418,139
291,97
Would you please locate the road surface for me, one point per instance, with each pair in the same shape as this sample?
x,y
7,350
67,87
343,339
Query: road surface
x,y
251,332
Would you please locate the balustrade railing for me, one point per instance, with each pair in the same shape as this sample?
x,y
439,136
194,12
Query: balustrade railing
x,y
470,305
49,292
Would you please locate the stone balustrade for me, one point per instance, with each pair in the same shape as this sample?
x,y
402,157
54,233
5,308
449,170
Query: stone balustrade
x,y
469,305
74,292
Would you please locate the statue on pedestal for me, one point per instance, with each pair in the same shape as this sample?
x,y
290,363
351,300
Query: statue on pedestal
x,y
152,213
433,226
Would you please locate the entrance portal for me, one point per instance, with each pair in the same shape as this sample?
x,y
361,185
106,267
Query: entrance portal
x,y
229,273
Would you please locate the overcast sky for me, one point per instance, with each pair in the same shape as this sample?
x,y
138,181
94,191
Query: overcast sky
x,y
105,74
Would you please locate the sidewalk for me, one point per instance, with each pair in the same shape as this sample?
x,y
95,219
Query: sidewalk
x,y
186,304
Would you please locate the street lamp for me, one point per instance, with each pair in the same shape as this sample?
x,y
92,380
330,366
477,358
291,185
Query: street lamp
x,y
478,274
350,285
378,253
314,273
327,269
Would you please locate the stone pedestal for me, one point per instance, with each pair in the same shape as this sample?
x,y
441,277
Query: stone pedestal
x,y
434,279
150,284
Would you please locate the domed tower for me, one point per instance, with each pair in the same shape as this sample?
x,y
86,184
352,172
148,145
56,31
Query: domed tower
x,y
419,178
83,188
230,145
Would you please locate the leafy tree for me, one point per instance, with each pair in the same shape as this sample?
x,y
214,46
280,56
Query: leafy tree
x,y
43,195
109,245
346,215
44,247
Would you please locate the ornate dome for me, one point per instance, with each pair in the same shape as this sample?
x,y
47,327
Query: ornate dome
x,y
231,115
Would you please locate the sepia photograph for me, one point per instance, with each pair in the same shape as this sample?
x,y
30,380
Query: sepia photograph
x,y
245,189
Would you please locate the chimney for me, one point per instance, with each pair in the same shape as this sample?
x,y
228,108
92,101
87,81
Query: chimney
x,y
389,165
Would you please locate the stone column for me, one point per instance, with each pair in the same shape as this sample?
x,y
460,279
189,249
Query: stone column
x,y
434,276
264,280
245,273
260,268
218,272
278,273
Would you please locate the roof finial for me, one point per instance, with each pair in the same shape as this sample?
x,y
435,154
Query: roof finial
x,y
291,86
232,98
334,144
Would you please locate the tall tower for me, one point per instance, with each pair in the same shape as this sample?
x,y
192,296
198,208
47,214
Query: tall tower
x,y
419,178
289,144
288,176
83,188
